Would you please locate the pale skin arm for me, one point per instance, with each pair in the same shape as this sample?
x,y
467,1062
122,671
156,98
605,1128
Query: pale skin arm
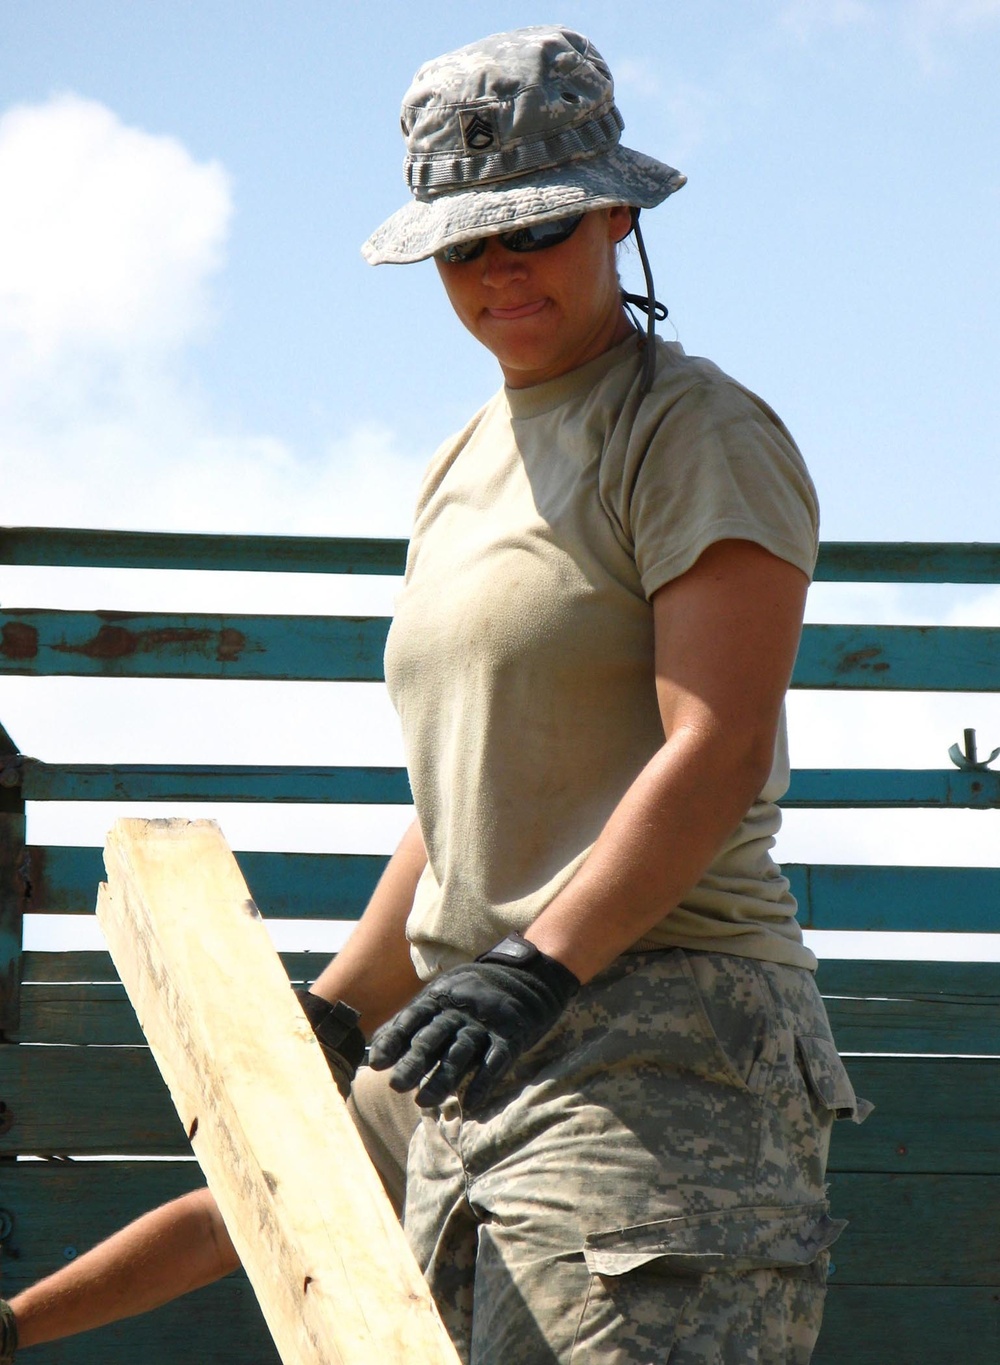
x,y
726,634
184,1244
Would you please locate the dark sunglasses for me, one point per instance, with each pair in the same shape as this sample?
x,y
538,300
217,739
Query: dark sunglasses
x,y
537,238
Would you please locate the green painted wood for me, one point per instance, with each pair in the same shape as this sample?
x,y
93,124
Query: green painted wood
x,y
916,1229
909,1326
146,782
218,1325
337,886
99,1013
89,966
899,658
893,1026
849,788
959,981
165,550
285,885
55,1207
932,1115
900,899
130,645
833,788
86,1100
847,561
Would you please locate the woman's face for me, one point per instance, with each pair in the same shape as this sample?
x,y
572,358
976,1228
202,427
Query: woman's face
x,y
544,313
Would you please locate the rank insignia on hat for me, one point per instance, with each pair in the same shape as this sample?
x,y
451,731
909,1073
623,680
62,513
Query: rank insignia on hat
x,y
478,131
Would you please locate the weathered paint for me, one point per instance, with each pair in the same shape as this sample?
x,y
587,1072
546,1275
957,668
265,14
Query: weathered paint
x,y
143,782
122,645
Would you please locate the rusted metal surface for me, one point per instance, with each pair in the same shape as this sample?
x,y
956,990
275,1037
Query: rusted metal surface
x,y
43,643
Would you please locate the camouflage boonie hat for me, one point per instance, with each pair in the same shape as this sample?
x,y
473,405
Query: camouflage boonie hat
x,y
507,132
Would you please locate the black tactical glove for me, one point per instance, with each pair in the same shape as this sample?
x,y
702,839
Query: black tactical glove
x,y
336,1028
474,1019
8,1333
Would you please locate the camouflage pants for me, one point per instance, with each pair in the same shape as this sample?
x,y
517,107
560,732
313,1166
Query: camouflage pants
x,y
648,1185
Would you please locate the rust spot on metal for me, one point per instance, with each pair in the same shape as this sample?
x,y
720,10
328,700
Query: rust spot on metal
x,y
231,645
902,1151
118,642
18,641
860,660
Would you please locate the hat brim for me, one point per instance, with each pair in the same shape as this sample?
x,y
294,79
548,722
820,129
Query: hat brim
x,y
426,226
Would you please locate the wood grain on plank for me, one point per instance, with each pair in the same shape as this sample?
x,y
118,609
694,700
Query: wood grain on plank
x,y
303,1205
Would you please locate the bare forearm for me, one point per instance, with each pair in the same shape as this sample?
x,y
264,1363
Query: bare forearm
x,y
168,1252
662,835
373,971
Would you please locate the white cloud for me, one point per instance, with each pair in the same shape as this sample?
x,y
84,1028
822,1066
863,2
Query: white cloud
x,y
805,18
108,234
110,240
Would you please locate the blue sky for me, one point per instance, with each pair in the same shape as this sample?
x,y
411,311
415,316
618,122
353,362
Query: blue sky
x,y
189,337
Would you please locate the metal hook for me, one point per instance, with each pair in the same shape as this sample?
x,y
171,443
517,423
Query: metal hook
x,y
968,761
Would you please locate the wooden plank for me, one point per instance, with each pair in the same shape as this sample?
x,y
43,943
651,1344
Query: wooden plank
x,y
847,561
889,788
84,548
314,1230
931,1115
900,980
215,1326
146,782
338,885
51,643
899,658
85,1101
291,885
917,1229
99,1013
87,966
900,899
895,1026
909,1326
57,1210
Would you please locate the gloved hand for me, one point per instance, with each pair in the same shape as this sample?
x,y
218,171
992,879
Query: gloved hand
x,y
336,1029
474,1019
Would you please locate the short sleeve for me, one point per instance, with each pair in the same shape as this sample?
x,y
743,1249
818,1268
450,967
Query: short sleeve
x,y
717,464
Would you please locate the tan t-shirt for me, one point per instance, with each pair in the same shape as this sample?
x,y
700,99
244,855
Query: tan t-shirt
x,y
520,659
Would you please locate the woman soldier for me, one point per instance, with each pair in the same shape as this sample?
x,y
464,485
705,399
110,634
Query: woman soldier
x,y
590,965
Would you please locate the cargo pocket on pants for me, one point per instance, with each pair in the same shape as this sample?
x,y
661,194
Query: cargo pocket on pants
x,y
828,1079
652,1284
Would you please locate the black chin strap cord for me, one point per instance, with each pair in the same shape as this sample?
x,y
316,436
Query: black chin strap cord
x,y
648,304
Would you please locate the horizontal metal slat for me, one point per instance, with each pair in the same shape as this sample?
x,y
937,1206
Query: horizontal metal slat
x,y
846,561
896,899
899,658
85,548
875,788
820,788
43,643
284,885
148,782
